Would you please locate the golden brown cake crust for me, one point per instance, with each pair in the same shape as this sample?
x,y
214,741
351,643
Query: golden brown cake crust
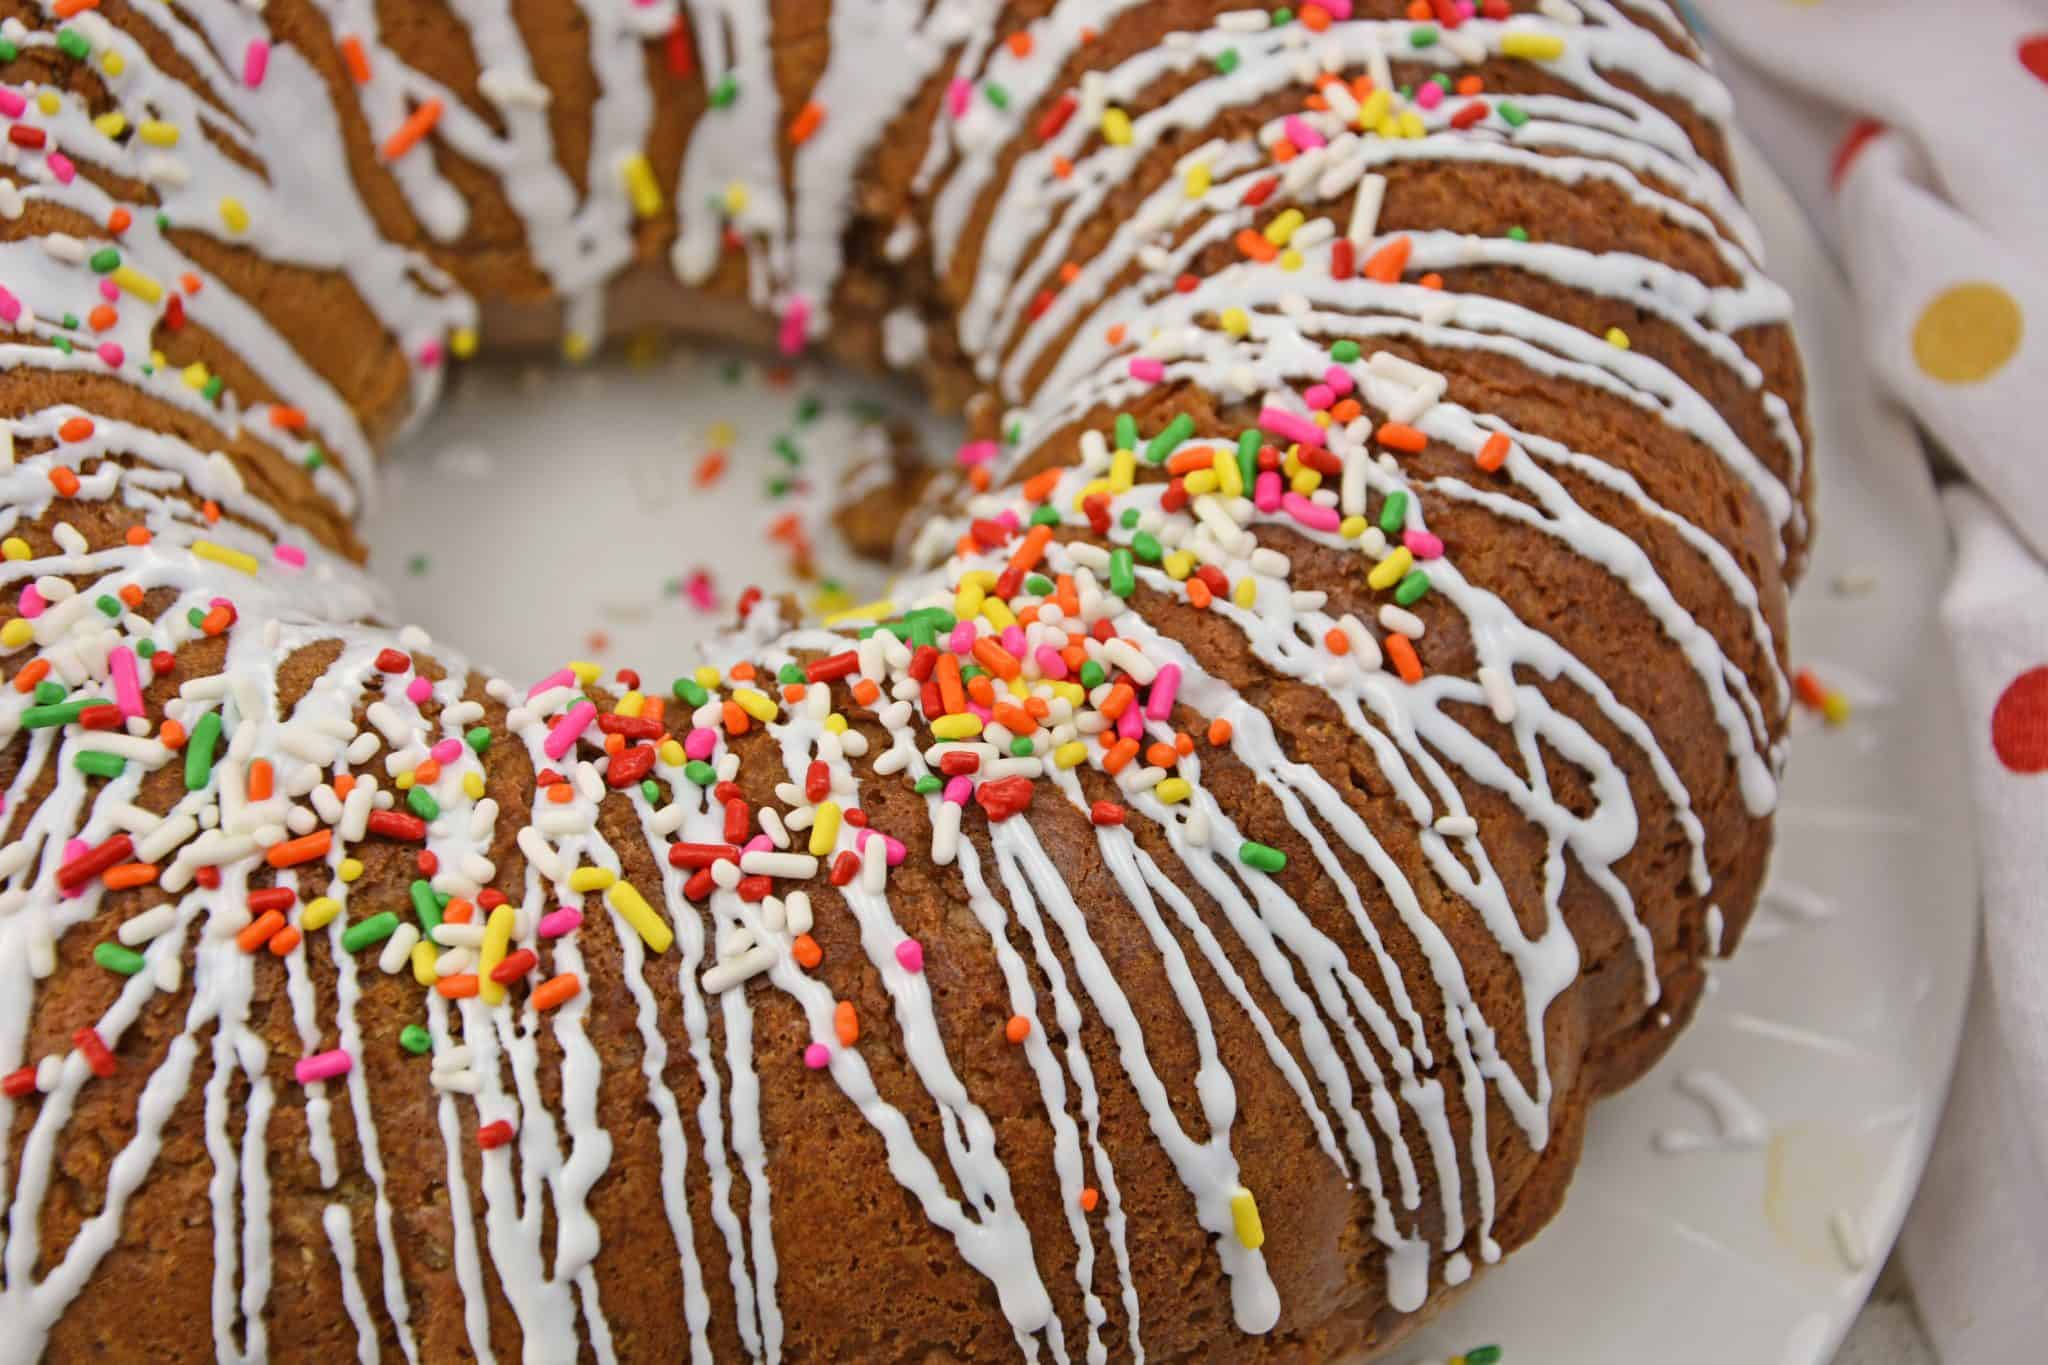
x,y
1279,1091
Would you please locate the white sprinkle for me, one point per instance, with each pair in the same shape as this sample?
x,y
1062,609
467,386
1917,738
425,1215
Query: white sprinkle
x,y
762,863
1365,208
398,948
1500,694
1455,826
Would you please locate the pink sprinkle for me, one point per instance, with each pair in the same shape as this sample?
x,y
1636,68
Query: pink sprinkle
x,y
1319,396
1050,663
961,639
975,452
1423,545
796,320
111,353
255,61
1429,94
1313,515
110,291
895,850
419,690
701,743
817,1056
957,791
560,678
323,1066
1301,135
1337,9
1289,427
958,93
1266,491
977,709
75,849
1008,517
290,554
1338,378
447,751
1159,701
1147,369
12,103
563,735
701,593
910,955
760,843
31,601
127,686
61,167
556,923
430,354
1130,723
1013,639
10,306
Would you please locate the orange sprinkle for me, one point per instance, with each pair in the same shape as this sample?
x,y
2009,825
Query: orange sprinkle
x,y
1069,272
1014,718
1345,411
1120,756
1115,335
190,283
1400,436
1039,486
1336,642
743,672
1403,655
651,709
1494,453
978,478
1386,264
555,990
1031,549
417,125
792,693
459,911
32,672
259,932
1219,732
990,654
172,736
865,692
102,317
260,778
1062,167
119,220
1019,43
65,9
1090,1197
129,874
1037,708
131,596
1161,755
216,622
846,1023
1471,85
561,793
285,939
806,122
1198,594
357,60
1419,10
1255,245
288,419
64,481
981,690
806,951
137,536
613,745
736,722
1018,1029
1315,18
1285,151
210,510
458,987
1120,696
951,695
344,783
1183,744
1808,687
1188,461
303,849
1431,281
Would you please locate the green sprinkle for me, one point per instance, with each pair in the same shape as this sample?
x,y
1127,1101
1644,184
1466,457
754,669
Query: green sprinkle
x,y
99,763
1412,588
726,91
1248,443
1394,513
1264,857
922,632
63,713
49,693
422,802
427,906
1226,61
1146,546
688,693
116,958
1128,518
1442,81
63,344
1511,114
1519,233
313,459
1045,514
972,671
70,323
109,605
700,772
787,449
478,737
1161,446
926,785
194,617
8,51
199,751
650,791
105,261
1483,1355
1422,37
365,932
73,43
146,648
1122,581
1020,747
1091,674
1038,585
789,673
997,96
1282,17
1126,431
416,1040
1344,352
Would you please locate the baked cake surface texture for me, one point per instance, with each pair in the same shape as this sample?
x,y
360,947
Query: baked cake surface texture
x,y
1331,715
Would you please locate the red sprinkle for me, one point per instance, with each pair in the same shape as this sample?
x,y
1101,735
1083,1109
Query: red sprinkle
x,y
19,1084
272,898
1005,797
495,1134
91,863
833,667
817,781
396,824
1106,813
87,1040
629,767
736,819
1056,117
393,661
514,966
700,856
845,867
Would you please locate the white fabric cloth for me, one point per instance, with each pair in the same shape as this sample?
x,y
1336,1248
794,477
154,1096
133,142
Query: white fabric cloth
x,y
1941,224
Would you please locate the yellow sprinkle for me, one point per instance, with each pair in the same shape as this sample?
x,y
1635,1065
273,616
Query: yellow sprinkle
x,y
1245,592
1236,322
631,705
963,726
1070,755
1388,127
1200,481
588,878
575,347
319,913
1179,565
157,133
1412,126
195,375
1535,47
1123,471
1244,1214
1089,490
1834,707
1321,419
1072,693
404,781
112,62
586,672
721,434
967,601
14,548
755,703
1617,338
1173,789
234,215
1306,481
671,753
867,611
351,869
1374,108
1291,259
824,828
462,341
735,199
111,124
1197,180
221,554
497,938
16,633
835,723
1229,478
1281,229
633,907
708,677
997,613
473,786
980,578
137,283
423,964
47,102
1351,528
640,184
1116,127
1391,570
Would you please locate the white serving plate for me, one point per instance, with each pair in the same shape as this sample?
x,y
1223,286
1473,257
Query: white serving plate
x,y
546,500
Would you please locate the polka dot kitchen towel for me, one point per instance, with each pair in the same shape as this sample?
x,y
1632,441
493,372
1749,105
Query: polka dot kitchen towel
x,y
1916,133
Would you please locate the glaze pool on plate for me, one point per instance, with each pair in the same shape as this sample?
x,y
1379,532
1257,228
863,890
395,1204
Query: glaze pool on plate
x,y
1837,1025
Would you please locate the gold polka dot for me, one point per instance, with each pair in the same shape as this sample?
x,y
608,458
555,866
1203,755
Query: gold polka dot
x,y
1967,334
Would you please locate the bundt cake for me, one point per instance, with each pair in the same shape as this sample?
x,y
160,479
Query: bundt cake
x,y
1330,716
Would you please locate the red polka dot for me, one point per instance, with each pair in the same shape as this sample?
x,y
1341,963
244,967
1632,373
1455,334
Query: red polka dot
x,y
2034,55
1858,138
2019,723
